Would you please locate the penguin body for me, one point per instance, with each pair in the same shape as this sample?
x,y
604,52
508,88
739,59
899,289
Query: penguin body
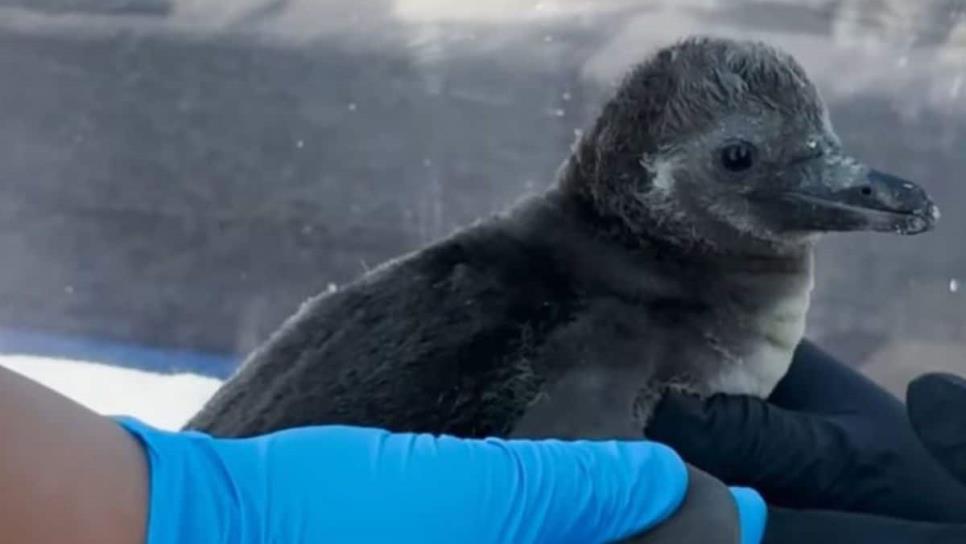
x,y
674,251
483,331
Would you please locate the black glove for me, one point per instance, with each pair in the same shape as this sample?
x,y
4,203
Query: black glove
x,y
827,439
937,408
787,526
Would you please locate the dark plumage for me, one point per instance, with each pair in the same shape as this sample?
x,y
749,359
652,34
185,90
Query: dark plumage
x,y
675,250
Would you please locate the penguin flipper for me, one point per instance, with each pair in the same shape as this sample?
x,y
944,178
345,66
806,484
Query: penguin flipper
x,y
434,342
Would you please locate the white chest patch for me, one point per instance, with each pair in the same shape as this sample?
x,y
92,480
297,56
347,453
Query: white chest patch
x,y
777,331
757,375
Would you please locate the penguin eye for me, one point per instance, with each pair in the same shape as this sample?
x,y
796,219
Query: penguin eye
x,y
738,156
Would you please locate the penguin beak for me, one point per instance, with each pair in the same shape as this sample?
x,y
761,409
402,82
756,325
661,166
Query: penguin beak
x,y
837,193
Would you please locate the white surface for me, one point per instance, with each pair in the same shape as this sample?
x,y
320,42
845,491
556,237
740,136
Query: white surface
x,y
164,401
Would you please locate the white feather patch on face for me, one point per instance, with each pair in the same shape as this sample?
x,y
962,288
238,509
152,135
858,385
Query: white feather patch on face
x,y
663,170
663,209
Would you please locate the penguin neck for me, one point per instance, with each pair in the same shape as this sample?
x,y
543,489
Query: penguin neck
x,y
582,216
659,225
600,255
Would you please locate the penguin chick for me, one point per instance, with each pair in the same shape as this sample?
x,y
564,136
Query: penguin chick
x,y
675,250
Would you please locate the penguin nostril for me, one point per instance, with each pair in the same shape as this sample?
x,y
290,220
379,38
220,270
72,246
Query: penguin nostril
x,y
867,191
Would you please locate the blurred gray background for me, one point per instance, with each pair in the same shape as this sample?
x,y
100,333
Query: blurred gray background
x,y
183,173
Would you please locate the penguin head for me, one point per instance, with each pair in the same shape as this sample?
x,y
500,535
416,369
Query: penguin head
x,y
727,145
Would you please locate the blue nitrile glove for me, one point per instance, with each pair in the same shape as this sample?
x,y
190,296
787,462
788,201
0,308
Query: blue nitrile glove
x,y
348,484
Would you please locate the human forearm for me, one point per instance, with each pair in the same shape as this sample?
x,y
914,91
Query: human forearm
x,y
70,475
66,473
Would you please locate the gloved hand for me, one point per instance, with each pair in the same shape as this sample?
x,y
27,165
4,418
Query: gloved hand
x,y
828,438
937,409
787,526
936,404
345,484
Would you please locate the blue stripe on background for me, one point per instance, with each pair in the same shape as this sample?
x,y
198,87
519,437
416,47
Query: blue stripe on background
x,y
63,346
